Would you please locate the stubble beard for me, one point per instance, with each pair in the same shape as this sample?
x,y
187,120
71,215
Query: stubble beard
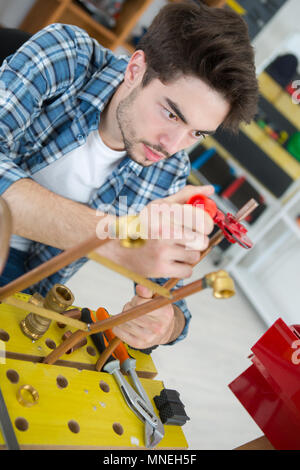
x,y
124,112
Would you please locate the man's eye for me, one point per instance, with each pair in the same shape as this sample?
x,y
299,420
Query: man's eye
x,y
199,135
170,115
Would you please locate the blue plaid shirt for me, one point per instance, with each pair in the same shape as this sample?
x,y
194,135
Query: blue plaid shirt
x,y
52,92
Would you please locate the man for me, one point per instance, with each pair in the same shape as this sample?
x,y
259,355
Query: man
x,y
81,129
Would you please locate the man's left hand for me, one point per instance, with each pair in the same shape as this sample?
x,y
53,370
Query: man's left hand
x,y
150,329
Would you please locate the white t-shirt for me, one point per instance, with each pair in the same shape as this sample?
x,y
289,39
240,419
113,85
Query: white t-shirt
x,y
76,175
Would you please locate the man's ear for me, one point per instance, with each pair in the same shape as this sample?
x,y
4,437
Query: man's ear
x,y
135,69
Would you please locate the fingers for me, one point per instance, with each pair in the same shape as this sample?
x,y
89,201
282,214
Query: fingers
x,y
176,261
144,292
181,254
148,330
197,219
188,191
171,220
190,239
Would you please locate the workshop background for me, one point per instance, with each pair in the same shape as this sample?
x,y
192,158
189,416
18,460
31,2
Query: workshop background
x,y
262,162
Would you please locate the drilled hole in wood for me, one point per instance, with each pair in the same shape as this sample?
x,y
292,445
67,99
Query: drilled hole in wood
x,y
91,351
61,381
104,386
21,424
118,428
74,426
50,343
4,336
13,376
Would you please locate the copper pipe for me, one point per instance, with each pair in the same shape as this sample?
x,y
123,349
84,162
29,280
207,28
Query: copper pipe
x,y
72,313
160,290
107,352
154,303
215,240
5,232
69,343
127,315
51,266
82,343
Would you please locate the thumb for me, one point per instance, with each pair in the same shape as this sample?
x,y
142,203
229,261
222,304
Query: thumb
x,y
182,196
143,292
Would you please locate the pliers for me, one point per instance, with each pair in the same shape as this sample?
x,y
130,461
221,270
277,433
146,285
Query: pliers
x,y
232,229
137,399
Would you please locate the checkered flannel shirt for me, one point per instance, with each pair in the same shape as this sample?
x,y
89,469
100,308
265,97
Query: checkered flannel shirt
x,y
52,92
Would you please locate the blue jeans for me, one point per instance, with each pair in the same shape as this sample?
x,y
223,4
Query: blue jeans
x,y
15,267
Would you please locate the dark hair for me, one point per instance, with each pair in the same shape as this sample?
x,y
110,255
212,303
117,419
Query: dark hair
x,y
210,43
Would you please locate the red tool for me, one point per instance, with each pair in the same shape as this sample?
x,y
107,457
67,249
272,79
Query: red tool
x,y
233,230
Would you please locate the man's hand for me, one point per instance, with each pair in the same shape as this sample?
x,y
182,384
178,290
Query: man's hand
x,y
158,327
175,235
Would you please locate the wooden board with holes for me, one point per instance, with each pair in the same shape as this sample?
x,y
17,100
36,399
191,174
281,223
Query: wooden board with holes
x,y
79,409
16,343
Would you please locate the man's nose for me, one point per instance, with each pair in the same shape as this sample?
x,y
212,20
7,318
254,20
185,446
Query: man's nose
x,y
173,141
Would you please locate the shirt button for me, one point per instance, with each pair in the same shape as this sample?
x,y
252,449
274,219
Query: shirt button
x,y
80,138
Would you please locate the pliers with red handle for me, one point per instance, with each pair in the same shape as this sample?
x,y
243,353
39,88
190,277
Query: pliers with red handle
x,y
232,229
137,399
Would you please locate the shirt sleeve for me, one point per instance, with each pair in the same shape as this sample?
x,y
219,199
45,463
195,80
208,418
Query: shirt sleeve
x,y
42,68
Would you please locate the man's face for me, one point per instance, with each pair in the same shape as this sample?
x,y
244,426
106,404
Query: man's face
x,y
158,120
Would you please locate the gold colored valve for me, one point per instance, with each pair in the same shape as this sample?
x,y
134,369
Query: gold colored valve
x,y
129,230
34,326
59,298
27,395
221,283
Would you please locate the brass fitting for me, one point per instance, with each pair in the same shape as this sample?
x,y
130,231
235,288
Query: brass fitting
x,y
128,230
59,298
34,326
27,395
221,283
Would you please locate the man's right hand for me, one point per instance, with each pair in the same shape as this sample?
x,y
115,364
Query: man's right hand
x,y
176,234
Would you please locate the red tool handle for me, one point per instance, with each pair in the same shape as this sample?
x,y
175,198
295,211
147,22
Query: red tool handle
x,y
207,204
120,351
232,229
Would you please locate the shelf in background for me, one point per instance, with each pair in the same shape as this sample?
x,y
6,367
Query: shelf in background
x,y
280,99
45,12
272,149
241,166
42,13
269,272
256,161
261,294
80,15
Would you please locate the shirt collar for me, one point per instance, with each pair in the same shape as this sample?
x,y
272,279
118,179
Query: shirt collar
x,y
104,82
127,162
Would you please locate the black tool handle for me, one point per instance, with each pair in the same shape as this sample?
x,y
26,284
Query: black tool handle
x,y
97,338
